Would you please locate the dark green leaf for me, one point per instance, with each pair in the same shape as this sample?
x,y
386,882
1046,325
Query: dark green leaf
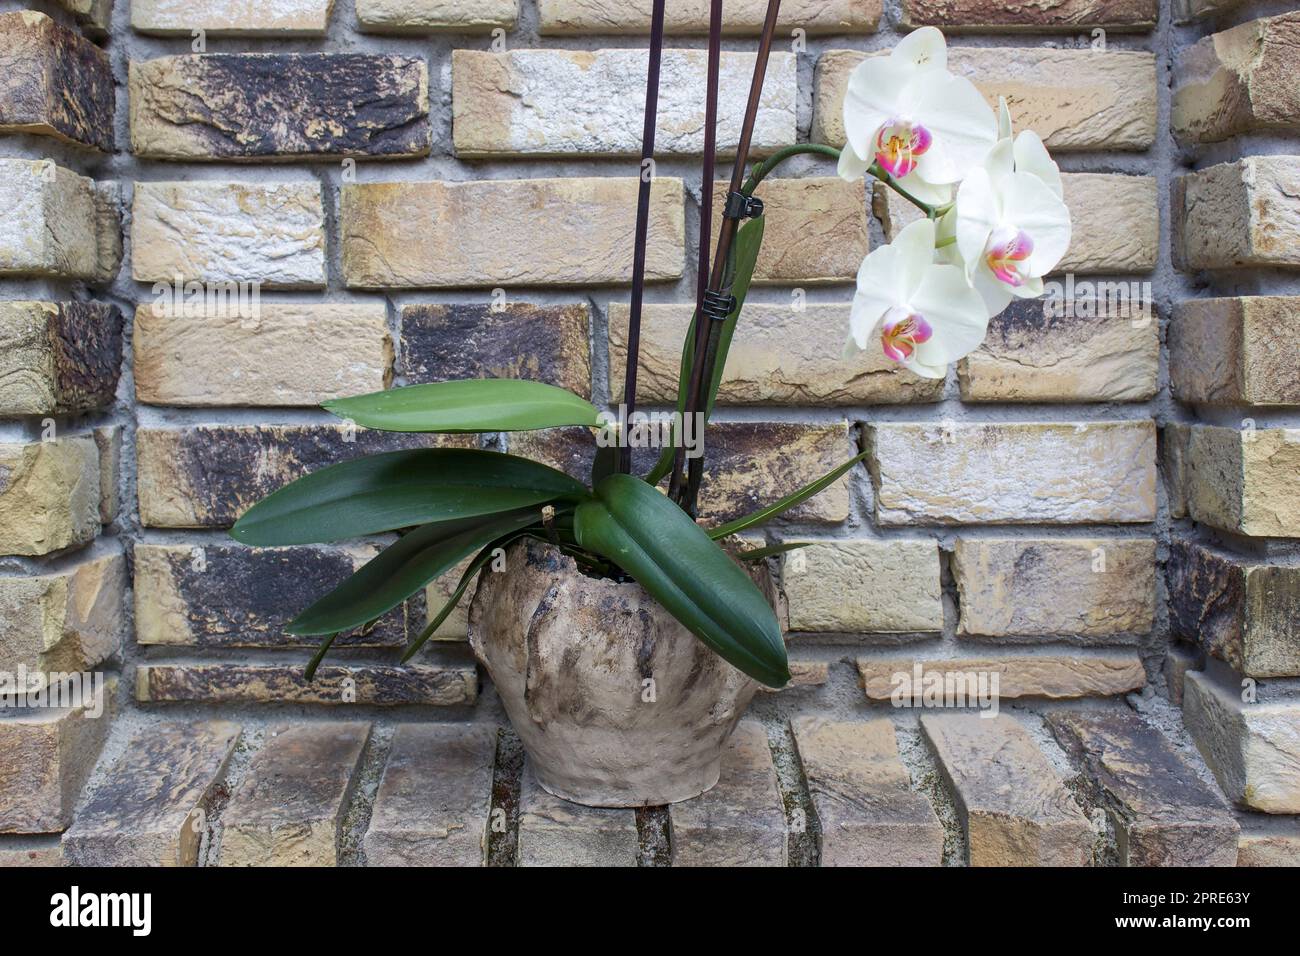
x,y
786,503
670,556
319,656
399,489
605,462
748,241
467,405
403,568
757,554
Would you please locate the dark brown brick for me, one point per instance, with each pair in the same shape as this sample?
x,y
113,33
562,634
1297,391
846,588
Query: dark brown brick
x,y
378,685
54,82
58,358
244,105
1002,16
518,340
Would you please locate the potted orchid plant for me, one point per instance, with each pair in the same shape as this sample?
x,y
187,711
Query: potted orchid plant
x,y
624,638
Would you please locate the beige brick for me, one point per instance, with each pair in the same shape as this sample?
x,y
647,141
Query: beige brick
x,y
1013,807
92,15
1087,588
271,233
1268,849
434,801
815,230
436,16
1050,351
455,627
555,832
741,18
1115,223
31,852
868,813
531,232
377,685
56,223
1053,676
1253,748
1238,81
741,821
781,357
263,354
288,809
803,674
151,807
864,586
108,439
1073,99
523,102
67,620
1175,438
1178,661
1243,213
58,358
1187,10
55,82
49,494
47,753
998,15
273,18
967,473
1245,480
1236,351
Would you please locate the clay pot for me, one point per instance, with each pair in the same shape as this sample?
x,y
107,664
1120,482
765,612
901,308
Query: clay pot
x,y
616,703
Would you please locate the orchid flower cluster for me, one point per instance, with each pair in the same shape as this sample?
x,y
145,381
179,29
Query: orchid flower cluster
x,y
996,222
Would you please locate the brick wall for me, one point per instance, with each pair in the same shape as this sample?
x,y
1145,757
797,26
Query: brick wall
x,y
1099,508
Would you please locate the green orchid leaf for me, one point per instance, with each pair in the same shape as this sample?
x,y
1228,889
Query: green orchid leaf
x,y
669,555
758,554
400,489
467,405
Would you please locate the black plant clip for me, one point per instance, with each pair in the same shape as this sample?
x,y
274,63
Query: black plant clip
x,y
718,305
740,206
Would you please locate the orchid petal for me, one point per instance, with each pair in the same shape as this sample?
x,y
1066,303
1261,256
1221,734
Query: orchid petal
x,y
851,166
922,50
978,213
1030,205
1004,118
959,118
956,313
1031,157
875,95
915,255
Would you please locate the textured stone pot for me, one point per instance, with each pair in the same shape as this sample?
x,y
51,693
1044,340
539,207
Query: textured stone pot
x,y
573,658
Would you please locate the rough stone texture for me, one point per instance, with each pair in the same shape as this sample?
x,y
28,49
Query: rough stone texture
x,y
1175,437
1114,218
861,792
58,358
1073,99
232,106
93,15
526,232
865,585
803,674
1038,351
108,439
1245,480
1178,661
1236,351
748,465
273,18
1090,588
436,16
784,357
574,683
151,807
455,627
53,82
56,223
741,821
1163,813
39,853
46,755
515,340
68,620
1013,807
1243,213
1187,10
1243,611
1068,15
815,230
545,102
377,685
434,802
288,810
272,233
742,17
226,595
554,832
270,354
49,494
1241,80
1253,748
1054,676
1268,849
206,476
967,473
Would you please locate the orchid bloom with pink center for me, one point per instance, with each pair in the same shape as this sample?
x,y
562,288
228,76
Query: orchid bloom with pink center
x,y
925,314
907,112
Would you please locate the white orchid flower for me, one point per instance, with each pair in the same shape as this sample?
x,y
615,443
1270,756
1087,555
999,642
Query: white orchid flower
x,y
925,313
923,125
